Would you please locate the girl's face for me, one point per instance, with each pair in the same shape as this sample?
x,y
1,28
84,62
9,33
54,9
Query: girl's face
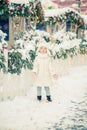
x,y
43,50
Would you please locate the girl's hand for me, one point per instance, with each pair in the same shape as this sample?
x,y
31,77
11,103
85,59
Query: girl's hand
x,y
34,73
55,76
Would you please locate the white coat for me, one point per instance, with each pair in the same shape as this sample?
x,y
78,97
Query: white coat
x,y
44,70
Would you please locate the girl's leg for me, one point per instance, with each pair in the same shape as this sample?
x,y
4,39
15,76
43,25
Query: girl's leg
x,y
47,89
39,93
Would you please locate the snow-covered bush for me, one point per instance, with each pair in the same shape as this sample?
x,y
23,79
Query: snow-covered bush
x,y
63,36
83,47
20,58
3,45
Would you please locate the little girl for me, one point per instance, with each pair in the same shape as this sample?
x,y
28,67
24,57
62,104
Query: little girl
x,y
43,71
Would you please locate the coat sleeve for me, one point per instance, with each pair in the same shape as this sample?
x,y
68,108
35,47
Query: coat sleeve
x,y
52,68
35,66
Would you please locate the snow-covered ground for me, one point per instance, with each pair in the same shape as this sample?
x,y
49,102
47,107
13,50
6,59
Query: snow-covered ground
x,y
67,111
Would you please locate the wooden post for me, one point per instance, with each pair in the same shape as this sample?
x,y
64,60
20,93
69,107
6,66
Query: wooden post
x,y
48,28
11,34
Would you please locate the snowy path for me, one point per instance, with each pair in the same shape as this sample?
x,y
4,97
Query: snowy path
x,y
68,111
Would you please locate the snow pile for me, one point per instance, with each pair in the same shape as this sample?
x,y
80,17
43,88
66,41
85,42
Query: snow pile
x,y
58,12
20,1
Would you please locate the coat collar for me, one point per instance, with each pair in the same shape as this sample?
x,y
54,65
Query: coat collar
x,y
42,55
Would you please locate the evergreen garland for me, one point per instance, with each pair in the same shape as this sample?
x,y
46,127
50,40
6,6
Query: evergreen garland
x,y
39,13
67,15
3,8
32,9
